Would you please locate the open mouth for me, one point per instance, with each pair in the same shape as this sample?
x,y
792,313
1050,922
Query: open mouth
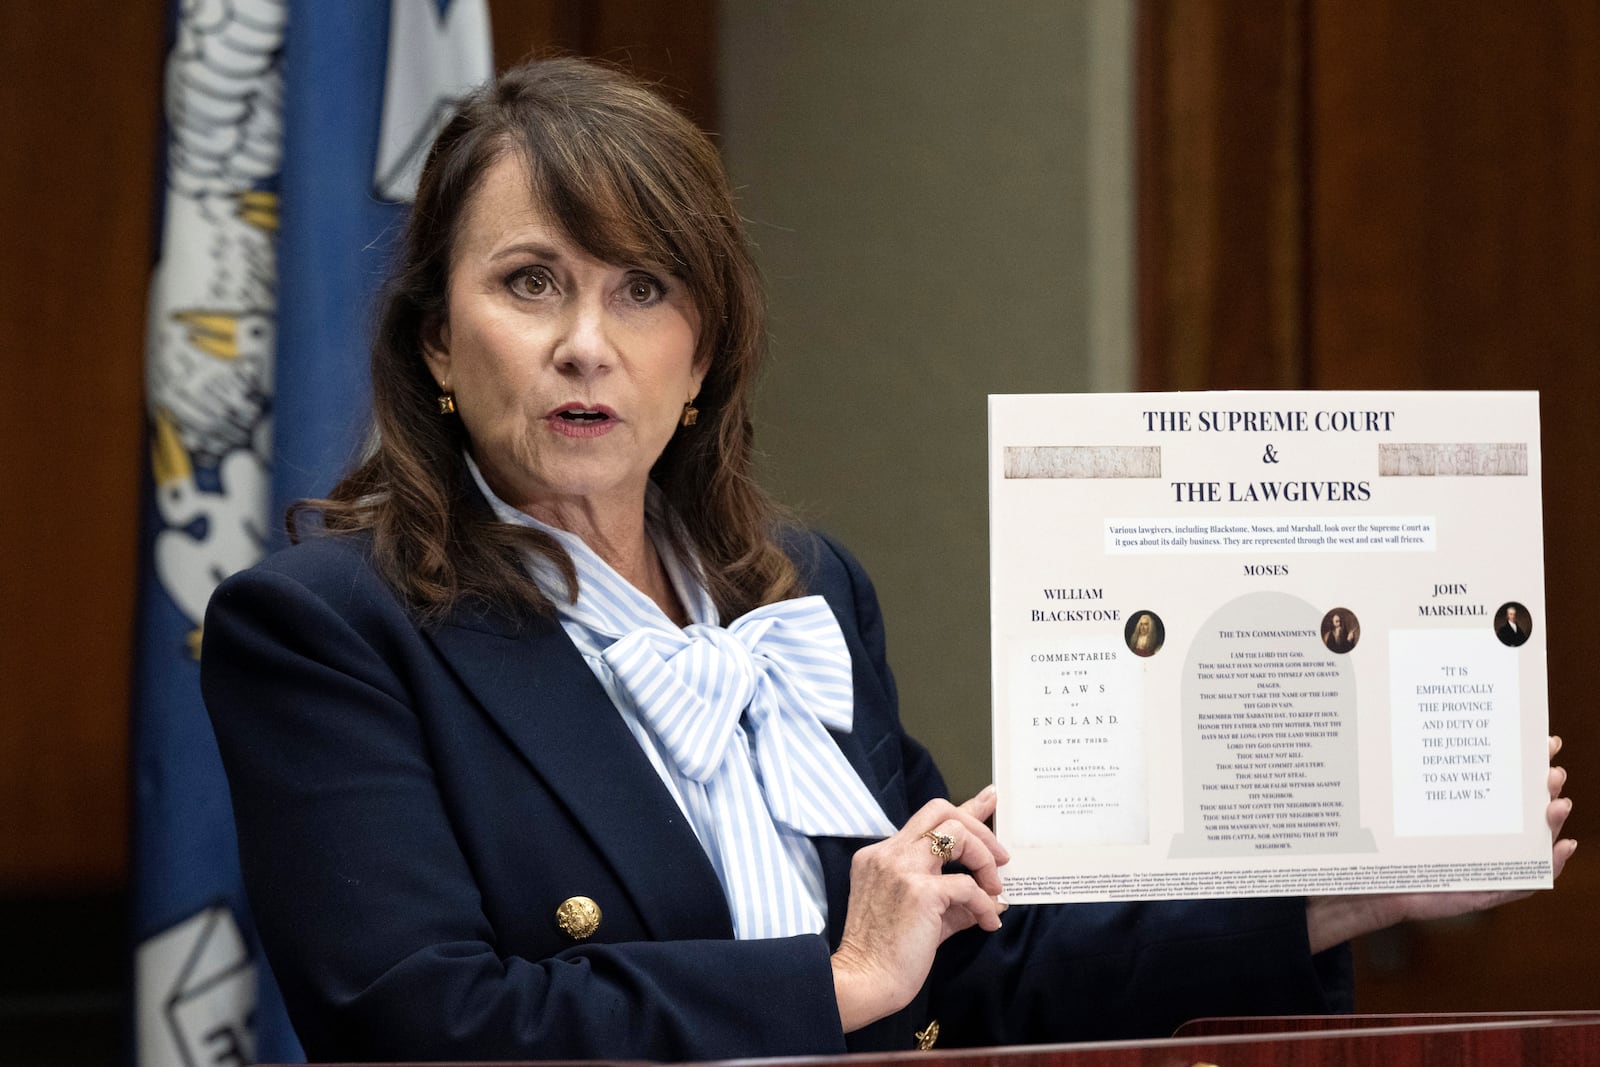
x,y
584,415
580,421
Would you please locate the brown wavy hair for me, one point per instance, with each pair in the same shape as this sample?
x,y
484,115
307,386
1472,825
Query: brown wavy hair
x,y
631,180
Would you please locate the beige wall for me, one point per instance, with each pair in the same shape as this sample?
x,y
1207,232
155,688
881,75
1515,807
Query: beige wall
x,y
940,193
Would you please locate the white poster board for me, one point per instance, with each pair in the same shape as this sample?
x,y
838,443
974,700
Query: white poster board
x,y
1255,644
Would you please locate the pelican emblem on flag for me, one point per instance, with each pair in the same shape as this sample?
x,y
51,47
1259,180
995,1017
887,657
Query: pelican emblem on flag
x,y
210,350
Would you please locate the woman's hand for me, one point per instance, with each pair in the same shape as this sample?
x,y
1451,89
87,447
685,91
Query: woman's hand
x,y
1331,920
902,906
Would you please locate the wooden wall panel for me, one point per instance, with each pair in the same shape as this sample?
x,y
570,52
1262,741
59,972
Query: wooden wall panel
x,y
1222,168
1446,167
80,110
1455,202
1455,244
673,45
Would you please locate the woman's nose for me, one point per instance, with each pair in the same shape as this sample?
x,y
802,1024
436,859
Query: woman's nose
x,y
585,345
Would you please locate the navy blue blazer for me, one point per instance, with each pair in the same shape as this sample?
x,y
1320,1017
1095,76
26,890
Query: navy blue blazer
x,y
413,805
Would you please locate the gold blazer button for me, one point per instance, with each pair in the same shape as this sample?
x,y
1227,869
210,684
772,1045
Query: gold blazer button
x,y
927,1036
578,917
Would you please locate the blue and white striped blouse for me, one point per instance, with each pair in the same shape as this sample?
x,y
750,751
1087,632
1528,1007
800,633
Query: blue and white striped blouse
x,y
734,719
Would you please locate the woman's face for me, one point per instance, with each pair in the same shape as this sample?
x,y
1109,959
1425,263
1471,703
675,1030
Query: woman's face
x,y
569,374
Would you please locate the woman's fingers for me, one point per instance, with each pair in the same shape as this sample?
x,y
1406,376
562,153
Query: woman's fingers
x,y
982,805
1557,811
1560,854
902,907
1559,808
972,844
1334,919
968,904
981,808
1556,815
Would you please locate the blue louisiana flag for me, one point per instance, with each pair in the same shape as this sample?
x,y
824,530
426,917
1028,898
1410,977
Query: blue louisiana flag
x,y
295,130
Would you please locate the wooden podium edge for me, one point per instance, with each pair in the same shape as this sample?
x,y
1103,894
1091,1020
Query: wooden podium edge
x,y
1501,1038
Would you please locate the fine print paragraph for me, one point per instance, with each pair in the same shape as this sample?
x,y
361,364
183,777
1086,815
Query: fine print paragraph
x,y
1406,533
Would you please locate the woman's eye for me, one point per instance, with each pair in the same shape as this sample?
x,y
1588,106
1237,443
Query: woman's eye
x,y
531,281
644,290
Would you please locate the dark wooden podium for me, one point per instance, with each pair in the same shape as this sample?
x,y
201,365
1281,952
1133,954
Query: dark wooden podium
x,y
1548,1039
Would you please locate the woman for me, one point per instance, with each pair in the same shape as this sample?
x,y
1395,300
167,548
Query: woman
x,y
559,744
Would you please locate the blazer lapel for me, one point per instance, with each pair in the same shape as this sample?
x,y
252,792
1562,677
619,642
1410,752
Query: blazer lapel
x,y
537,687
837,852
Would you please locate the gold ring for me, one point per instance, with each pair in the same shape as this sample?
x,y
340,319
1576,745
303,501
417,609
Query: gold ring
x,y
941,845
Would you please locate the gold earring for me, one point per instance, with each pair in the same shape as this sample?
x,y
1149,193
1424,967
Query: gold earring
x,y
447,403
690,413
